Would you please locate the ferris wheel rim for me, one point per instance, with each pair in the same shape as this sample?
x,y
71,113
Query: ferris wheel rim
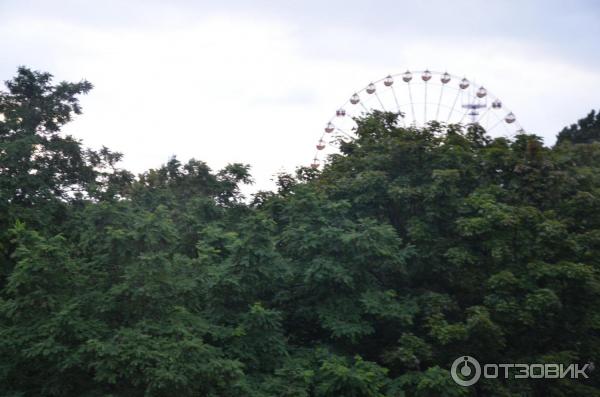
x,y
427,77
452,76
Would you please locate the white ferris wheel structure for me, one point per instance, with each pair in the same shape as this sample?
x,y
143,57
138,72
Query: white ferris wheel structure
x,y
420,97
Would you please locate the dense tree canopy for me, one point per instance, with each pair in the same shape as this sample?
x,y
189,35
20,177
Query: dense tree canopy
x,y
586,130
366,279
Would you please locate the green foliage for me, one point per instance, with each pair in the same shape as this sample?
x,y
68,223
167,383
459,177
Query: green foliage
x,y
434,382
355,378
411,248
586,130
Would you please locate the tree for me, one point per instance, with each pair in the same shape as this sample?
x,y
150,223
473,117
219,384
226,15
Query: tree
x,y
412,247
42,170
587,130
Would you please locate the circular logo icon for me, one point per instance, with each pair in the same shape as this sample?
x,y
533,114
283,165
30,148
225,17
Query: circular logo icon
x,y
469,372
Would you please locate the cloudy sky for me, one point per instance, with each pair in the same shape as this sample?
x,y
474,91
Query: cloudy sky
x,y
255,81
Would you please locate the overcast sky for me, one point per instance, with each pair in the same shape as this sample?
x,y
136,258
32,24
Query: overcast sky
x,y
255,81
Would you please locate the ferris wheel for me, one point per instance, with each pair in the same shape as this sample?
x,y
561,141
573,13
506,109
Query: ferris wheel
x,y
420,97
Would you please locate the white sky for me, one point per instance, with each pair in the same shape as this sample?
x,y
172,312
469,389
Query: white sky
x,y
255,82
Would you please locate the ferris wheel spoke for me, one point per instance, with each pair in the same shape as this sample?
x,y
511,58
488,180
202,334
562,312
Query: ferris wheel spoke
x,y
453,106
343,132
380,103
398,106
425,106
482,115
506,129
463,116
437,112
412,104
496,125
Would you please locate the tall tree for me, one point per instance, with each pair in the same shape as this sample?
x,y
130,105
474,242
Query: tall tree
x,y
586,130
